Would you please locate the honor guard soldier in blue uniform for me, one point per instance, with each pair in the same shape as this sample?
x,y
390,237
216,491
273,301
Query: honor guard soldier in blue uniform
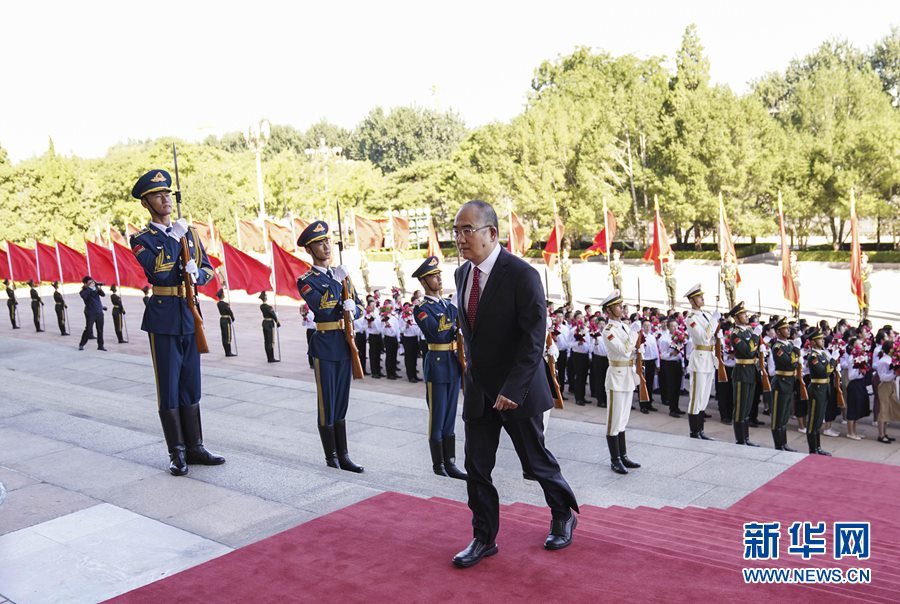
x,y
168,320
226,322
436,317
36,304
744,376
785,357
321,288
11,302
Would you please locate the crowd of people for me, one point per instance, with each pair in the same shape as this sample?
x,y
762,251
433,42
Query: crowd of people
x,y
867,360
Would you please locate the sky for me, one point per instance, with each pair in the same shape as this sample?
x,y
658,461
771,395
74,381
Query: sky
x,y
92,74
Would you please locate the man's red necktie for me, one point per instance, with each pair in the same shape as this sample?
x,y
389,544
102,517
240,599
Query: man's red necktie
x,y
474,294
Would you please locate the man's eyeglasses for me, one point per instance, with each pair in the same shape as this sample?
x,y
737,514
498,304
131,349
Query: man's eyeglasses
x,y
468,231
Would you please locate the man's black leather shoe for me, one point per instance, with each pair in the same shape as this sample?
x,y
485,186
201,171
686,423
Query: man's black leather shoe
x,y
473,554
561,533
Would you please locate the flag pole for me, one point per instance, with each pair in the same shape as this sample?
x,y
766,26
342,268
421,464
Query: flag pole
x,y
606,241
62,289
227,289
511,245
275,297
37,266
293,231
112,249
12,280
237,228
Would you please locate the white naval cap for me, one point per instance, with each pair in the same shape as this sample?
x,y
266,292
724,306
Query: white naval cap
x,y
611,299
694,291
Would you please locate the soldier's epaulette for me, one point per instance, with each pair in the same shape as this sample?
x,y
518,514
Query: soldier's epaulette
x,y
306,274
422,301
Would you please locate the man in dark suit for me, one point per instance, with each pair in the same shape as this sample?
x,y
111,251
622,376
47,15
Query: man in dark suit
x,y
503,317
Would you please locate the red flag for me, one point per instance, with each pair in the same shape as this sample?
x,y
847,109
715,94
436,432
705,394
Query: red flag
x,y
251,237
369,233
4,265
857,287
100,262
660,247
287,269
48,267
22,262
73,262
400,228
131,273
607,233
517,243
281,235
787,278
245,272
434,246
551,250
214,284
726,243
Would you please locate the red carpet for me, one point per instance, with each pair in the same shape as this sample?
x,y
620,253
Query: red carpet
x,y
397,547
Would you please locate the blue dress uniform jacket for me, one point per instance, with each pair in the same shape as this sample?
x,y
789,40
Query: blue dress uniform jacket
x,y
328,347
160,256
437,320
168,320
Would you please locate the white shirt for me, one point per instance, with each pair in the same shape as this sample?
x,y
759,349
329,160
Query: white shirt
x,y
883,368
486,266
665,348
649,350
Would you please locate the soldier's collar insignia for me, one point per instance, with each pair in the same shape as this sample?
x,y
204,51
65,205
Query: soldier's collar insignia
x,y
158,178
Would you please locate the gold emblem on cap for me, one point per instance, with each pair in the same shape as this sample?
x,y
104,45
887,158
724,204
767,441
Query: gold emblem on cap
x,y
158,178
318,228
433,262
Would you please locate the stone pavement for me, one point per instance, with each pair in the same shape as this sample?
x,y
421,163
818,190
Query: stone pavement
x,y
90,510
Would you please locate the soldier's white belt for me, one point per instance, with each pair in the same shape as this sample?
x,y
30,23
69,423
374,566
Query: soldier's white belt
x,y
786,373
746,361
329,325
704,347
819,381
442,347
621,364
162,290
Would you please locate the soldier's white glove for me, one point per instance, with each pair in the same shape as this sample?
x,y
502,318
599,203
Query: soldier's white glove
x,y
179,229
340,272
553,351
716,315
191,269
349,305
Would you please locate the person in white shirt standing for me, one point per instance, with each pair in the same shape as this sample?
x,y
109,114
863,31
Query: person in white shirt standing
x,y
671,357
621,380
650,352
599,361
703,330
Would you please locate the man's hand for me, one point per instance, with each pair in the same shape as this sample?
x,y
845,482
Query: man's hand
x,y
504,404
349,305
340,272
191,269
179,229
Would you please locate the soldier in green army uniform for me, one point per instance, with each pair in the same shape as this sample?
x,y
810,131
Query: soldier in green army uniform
x,y
118,312
36,306
785,357
11,302
60,306
821,367
867,286
615,270
744,375
669,274
728,275
269,323
401,278
565,272
364,269
226,322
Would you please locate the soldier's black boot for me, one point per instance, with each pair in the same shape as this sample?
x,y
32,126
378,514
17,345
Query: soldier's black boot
x,y
776,439
819,449
192,429
623,453
171,425
739,437
326,433
615,461
340,439
437,457
701,421
746,424
784,445
811,441
693,424
449,450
